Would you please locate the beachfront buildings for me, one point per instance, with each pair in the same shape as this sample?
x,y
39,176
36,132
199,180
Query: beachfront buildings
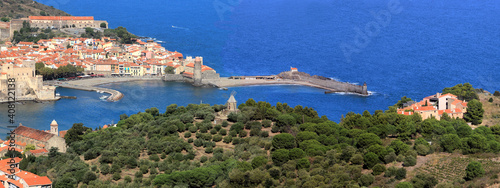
x,y
435,106
102,56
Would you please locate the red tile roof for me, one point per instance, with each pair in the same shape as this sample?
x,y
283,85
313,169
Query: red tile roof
x,y
33,179
33,133
62,133
425,108
15,182
448,94
61,18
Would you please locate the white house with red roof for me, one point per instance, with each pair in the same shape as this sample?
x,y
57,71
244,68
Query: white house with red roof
x,y
435,106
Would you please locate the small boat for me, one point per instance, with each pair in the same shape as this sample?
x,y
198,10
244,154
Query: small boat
x,y
103,97
58,95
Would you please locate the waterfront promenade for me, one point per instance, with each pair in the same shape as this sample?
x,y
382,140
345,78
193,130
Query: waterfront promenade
x,y
92,84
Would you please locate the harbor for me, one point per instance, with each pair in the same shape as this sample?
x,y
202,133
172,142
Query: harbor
x,y
292,77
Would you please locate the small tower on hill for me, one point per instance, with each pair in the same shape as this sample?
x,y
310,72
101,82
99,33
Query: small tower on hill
x,y
232,103
54,128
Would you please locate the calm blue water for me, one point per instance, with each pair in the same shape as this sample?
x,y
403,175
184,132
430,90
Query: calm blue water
x,y
424,46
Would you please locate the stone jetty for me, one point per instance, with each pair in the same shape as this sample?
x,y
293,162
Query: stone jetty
x,y
292,77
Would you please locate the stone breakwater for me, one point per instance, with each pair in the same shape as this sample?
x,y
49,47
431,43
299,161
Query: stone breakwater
x,y
92,85
289,78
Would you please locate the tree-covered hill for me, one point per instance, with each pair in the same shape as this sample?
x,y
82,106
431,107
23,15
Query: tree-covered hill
x,y
273,146
14,9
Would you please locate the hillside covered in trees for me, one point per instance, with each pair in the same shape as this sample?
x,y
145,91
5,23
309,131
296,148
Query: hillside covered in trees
x,y
13,9
273,146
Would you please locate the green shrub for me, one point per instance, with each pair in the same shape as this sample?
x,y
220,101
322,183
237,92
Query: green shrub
x,y
117,176
236,141
366,180
223,132
474,169
213,131
193,129
198,142
217,138
138,174
303,163
401,174
233,133
258,161
296,153
284,141
424,180
187,134
378,169
127,179
266,123
203,159
243,133
279,156
357,159
410,161
275,172
422,149
275,129
225,123
370,159
105,169
404,185
391,171
237,127
218,127
228,139
154,157
389,158
264,134
254,132
209,149
190,140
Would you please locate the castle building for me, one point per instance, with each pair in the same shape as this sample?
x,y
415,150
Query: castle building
x,y
66,21
28,86
40,139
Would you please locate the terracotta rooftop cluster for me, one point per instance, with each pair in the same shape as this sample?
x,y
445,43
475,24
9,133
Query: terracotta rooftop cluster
x,y
89,53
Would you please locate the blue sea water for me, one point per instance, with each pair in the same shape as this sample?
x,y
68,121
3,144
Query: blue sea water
x,y
420,48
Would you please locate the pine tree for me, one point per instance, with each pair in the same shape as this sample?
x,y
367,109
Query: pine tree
x,y
474,112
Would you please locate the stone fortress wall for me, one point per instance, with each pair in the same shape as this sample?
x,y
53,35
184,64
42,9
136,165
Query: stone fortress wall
x,y
7,28
28,86
325,82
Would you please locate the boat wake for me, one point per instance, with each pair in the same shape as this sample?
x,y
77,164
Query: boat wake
x,y
183,28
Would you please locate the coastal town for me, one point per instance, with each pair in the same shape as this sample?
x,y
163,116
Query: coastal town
x,y
104,57
160,136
